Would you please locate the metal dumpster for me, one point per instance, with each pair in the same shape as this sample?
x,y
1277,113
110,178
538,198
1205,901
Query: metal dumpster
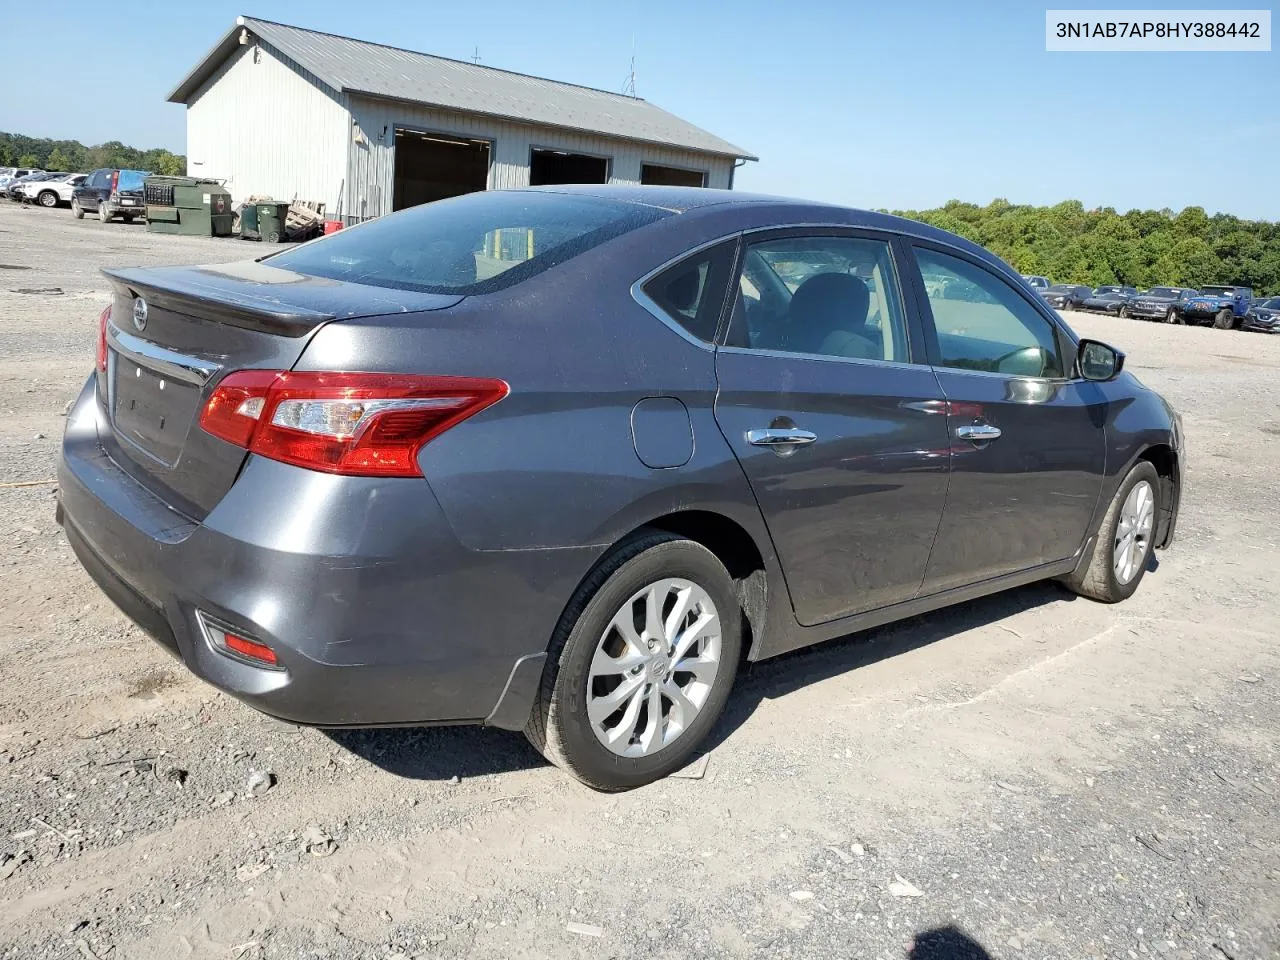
x,y
264,220
187,205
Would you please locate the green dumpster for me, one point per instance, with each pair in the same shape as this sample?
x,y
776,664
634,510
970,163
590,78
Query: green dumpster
x,y
188,205
264,220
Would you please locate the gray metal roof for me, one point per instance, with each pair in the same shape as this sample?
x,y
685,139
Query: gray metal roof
x,y
356,66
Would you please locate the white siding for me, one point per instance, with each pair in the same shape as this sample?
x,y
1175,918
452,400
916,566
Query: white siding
x,y
270,128
371,167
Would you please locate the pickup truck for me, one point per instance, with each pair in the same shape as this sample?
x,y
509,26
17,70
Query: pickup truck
x,y
1224,307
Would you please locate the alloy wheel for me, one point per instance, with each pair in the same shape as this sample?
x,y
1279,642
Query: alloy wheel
x,y
654,667
1133,532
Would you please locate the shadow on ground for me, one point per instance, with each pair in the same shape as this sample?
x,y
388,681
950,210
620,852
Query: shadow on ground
x,y
438,753
946,943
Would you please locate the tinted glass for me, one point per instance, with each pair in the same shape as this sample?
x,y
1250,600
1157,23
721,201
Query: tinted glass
x,y
468,245
691,293
983,323
826,296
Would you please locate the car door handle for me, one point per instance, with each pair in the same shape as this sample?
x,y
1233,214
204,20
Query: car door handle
x,y
978,432
775,437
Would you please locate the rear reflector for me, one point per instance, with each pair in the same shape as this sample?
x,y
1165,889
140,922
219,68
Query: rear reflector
x,y
249,648
236,646
355,424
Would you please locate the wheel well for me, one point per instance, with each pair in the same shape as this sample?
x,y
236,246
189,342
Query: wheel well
x,y
737,550
1162,457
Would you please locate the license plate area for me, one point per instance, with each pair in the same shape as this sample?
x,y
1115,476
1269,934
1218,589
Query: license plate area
x,y
151,411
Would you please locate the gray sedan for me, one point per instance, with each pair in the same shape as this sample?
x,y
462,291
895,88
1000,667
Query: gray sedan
x,y
560,460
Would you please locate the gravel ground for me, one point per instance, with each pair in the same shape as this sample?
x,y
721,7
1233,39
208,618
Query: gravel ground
x,y
1029,775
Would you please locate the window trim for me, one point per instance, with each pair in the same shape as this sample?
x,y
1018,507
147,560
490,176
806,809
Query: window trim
x,y
643,299
915,342
1068,347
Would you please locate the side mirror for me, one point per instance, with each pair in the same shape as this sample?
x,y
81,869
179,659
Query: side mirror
x,y
1098,361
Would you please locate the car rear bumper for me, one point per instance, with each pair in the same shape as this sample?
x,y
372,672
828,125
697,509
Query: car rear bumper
x,y
376,613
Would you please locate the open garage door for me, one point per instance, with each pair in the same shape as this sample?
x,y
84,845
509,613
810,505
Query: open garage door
x,y
432,166
659,176
557,166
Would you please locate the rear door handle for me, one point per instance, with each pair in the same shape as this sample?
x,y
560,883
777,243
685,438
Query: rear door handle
x,y
776,437
978,432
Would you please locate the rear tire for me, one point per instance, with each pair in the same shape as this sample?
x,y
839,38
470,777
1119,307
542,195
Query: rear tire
x,y
1223,320
1108,574
77,211
128,217
568,724
1123,313
104,211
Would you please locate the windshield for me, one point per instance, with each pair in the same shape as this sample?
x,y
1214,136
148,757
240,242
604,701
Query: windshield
x,y
1102,291
1170,292
1218,291
1272,304
1062,288
471,244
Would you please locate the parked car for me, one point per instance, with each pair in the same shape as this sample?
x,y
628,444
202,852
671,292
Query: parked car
x,y
1037,282
1111,299
9,174
1161,303
1263,316
110,193
1066,296
52,191
1224,307
14,190
363,500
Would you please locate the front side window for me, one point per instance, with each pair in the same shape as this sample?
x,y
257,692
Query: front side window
x,y
825,296
467,245
983,323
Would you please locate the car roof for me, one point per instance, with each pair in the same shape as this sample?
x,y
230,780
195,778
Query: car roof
x,y
765,210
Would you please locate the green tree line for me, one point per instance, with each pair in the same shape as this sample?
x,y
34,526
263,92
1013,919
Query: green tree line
x,y
73,156
1145,248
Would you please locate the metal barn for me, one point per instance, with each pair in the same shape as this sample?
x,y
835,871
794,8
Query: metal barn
x,y
368,129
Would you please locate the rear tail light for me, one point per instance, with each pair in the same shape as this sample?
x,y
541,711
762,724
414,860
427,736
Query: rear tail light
x,y
356,424
103,319
115,180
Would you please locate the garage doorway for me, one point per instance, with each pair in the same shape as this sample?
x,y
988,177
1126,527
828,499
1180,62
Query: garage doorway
x,y
558,166
652,174
432,166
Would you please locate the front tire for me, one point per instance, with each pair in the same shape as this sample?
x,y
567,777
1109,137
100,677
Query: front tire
x,y
641,664
1123,313
1121,551
1223,320
1172,316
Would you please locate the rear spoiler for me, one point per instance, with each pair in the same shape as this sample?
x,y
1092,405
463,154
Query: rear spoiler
x,y
185,296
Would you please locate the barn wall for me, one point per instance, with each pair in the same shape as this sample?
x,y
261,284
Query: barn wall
x,y
371,163
269,127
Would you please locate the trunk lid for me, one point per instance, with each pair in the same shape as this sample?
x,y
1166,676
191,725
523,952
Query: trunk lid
x,y
199,323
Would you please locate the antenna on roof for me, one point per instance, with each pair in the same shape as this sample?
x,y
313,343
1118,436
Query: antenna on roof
x,y
629,87
475,57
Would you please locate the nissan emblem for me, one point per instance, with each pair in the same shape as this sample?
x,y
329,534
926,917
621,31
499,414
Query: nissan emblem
x,y
140,314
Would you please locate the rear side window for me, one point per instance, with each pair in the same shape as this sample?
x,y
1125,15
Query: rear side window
x,y
691,293
468,245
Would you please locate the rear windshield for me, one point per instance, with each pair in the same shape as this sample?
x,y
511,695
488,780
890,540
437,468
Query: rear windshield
x,y
468,245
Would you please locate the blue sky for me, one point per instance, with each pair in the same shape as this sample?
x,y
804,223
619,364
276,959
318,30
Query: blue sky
x,y
874,104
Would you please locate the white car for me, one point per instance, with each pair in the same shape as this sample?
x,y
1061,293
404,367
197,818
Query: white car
x,y
10,174
52,192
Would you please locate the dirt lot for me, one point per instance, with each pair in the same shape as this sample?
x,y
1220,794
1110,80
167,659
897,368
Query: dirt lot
x,y
1053,777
